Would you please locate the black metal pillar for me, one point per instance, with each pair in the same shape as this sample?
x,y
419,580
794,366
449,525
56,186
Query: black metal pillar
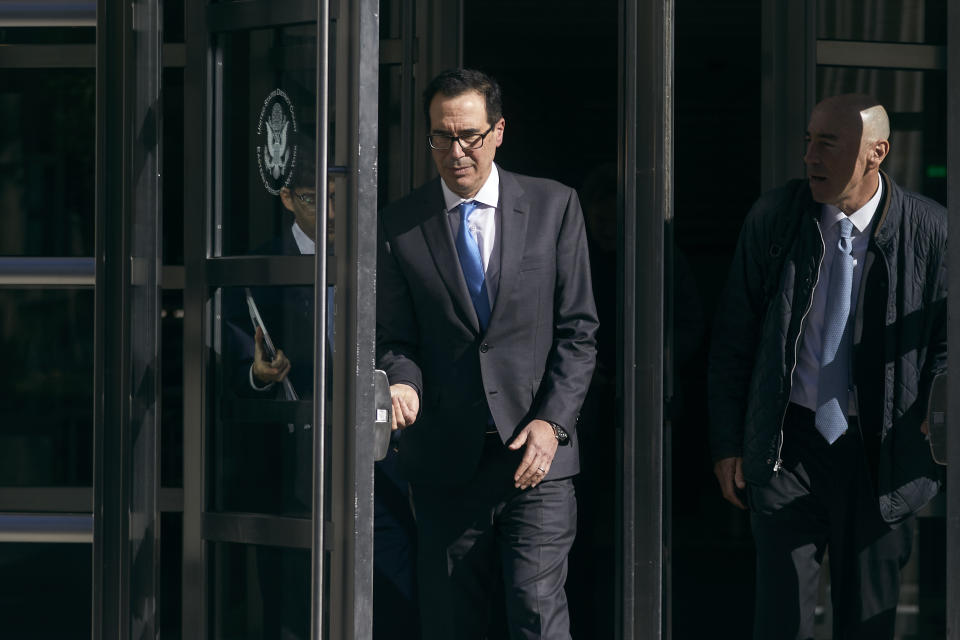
x,y
646,161
126,387
953,312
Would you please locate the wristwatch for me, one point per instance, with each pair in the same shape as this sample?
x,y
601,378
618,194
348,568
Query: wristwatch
x,y
562,436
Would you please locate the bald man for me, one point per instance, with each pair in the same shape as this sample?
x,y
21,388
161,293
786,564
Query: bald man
x,y
830,331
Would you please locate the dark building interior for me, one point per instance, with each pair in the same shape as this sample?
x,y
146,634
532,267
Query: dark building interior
x,y
558,71
558,64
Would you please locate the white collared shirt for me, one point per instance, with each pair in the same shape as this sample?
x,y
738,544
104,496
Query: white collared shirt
x,y
804,389
482,221
305,243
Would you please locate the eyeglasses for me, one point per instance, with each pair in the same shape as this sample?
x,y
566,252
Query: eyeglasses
x,y
467,141
307,198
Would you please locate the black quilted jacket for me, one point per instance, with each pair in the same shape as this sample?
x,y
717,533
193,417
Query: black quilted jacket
x,y
900,339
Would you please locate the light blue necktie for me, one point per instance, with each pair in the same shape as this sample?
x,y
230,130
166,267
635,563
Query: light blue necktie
x,y
472,265
833,384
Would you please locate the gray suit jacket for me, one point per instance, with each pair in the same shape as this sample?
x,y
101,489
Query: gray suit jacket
x,y
538,353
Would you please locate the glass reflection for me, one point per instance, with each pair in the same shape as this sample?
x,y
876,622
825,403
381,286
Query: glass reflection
x,y
171,393
263,434
260,592
883,20
171,573
47,121
172,171
46,412
42,578
48,35
263,431
269,134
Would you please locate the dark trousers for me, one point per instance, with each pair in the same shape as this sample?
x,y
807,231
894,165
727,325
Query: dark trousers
x,y
492,556
823,499
395,614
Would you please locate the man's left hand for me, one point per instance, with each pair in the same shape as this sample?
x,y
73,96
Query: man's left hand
x,y
541,445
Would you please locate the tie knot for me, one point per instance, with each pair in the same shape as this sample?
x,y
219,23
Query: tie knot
x,y
846,228
466,208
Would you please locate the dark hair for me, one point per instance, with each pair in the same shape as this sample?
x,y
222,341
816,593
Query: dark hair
x,y
305,169
454,82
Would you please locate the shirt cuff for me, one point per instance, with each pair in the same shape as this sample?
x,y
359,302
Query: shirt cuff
x,y
253,382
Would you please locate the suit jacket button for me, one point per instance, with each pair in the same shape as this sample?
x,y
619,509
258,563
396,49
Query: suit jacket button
x,y
484,347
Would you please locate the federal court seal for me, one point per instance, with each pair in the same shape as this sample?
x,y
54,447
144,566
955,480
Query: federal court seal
x,y
277,156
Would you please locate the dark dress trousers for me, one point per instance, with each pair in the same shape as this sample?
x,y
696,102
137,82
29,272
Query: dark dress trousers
x,y
481,541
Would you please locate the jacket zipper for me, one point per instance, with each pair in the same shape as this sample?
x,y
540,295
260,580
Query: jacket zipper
x,y
796,347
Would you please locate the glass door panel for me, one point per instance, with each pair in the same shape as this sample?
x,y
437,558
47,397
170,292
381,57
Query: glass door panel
x,y
895,51
268,109
263,231
883,21
263,437
260,591
251,273
275,544
47,123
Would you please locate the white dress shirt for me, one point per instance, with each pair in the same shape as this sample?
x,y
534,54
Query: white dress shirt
x,y
304,242
482,221
804,389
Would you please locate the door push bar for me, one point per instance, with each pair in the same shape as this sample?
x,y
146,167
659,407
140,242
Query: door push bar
x,y
384,414
937,418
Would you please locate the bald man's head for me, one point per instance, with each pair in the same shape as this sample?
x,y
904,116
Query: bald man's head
x,y
860,110
846,143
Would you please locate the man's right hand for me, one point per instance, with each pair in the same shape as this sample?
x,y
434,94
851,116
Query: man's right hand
x,y
729,472
406,405
266,372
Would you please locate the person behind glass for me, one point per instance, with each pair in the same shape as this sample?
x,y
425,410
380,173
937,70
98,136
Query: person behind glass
x,y
395,613
486,328
819,382
299,199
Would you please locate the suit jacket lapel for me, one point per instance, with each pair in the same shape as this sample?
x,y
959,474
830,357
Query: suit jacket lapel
x,y
514,211
436,232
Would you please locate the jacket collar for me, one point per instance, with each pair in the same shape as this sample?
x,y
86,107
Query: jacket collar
x,y
886,220
888,213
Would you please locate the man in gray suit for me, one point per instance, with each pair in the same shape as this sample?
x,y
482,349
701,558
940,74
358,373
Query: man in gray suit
x,y
486,328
